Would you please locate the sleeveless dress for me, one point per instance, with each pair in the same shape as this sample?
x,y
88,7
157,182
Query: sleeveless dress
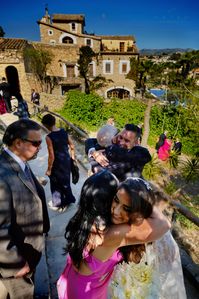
x,y
60,174
73,285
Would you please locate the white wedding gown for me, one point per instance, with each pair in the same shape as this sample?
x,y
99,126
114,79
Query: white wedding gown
x,y
168,266
164,257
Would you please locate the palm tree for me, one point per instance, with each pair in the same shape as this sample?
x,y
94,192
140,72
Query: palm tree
x,y
190,169
152,169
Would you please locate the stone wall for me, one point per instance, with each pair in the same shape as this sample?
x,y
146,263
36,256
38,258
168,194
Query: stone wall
x,y
56,36
15,58
53,102
114,45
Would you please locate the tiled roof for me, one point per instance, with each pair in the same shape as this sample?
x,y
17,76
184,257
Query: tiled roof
x,y
72,33
62,17
12,43
118,37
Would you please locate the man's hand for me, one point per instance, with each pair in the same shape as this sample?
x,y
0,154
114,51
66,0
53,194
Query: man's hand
x,y
25,270
100,158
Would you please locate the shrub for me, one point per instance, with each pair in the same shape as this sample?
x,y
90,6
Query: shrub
x,y
83,110
124,111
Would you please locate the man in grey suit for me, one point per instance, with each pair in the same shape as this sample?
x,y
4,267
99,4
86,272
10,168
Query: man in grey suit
x,y
23,212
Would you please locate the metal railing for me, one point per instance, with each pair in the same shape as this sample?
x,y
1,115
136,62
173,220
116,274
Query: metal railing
x,y
45,109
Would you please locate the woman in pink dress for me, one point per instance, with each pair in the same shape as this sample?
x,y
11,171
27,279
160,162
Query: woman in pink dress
x,y
92,242
163,152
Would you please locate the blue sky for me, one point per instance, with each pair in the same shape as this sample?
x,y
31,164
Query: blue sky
x,y
155,23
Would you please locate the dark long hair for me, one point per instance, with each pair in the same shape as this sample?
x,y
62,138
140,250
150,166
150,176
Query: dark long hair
x,y
96,198
142,201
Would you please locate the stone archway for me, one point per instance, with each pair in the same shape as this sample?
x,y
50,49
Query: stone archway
x,y
118,92
13,79
66,38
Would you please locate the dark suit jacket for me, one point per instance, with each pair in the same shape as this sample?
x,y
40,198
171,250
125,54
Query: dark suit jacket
x,y
122,162
23,218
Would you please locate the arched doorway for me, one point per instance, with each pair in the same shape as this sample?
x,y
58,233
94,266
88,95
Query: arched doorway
x,y
118,92
13,79
67,40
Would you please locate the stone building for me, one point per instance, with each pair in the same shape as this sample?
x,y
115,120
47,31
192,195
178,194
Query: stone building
x,y
63,35
12,64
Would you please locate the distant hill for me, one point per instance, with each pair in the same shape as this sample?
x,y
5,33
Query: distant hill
x,y
163,51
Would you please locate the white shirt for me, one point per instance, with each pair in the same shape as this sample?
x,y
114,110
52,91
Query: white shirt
x,y
16,158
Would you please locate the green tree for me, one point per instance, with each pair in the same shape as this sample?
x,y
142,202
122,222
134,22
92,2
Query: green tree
x,y
38,60
2,33
140,71
99,82
86,55
134,68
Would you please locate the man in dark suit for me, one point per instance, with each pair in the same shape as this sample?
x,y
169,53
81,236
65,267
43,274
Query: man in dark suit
x,y
23,212
5,88
127,157
177,146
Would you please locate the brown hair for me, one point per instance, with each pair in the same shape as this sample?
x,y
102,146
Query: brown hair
x,y
153,195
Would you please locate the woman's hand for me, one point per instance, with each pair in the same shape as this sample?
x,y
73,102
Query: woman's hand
x,y
23,271
48,172
100,158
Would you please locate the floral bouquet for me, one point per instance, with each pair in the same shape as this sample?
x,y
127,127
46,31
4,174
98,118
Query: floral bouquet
x,y
134,281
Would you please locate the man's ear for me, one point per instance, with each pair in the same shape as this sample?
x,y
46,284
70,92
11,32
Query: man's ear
x,y
115,138
17,143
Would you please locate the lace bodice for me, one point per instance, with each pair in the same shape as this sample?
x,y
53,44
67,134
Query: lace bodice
x,y
164,257
167,264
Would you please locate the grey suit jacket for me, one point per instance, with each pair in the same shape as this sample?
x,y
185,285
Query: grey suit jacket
x,y
23,218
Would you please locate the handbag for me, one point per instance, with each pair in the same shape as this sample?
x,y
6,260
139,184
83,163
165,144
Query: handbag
x,y
74,171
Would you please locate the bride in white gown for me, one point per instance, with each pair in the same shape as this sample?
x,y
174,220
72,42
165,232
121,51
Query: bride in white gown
x,y
163,257
168,266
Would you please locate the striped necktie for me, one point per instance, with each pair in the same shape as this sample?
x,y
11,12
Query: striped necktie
x,y
29,176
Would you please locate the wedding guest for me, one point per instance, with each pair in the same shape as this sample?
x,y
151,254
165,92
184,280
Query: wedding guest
x,y
24,216
164,150
161,140
35,98
5,88
59,164
126,156
2,105
22,109
177,146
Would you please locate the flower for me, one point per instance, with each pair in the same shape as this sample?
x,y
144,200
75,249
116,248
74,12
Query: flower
x,y
134,281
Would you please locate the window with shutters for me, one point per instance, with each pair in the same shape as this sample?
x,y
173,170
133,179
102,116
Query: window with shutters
x,y
70,69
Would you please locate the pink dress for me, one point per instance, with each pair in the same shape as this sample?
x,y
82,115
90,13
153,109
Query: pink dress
x,y
73,285
2,106
163,152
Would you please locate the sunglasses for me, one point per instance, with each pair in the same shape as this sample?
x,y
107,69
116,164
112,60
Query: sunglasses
x,y
35,143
